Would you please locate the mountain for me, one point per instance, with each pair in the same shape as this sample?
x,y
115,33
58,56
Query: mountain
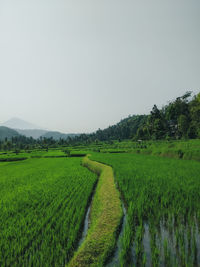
x,y
35,133
30,130
16,123
24,128
57,135
6,132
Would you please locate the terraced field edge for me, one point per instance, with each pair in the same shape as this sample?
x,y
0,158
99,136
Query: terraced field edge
x,y
105,218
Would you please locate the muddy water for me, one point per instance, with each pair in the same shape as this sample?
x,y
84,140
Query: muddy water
x,y
176,245
85,227
146,244
86,224
198,243
146,247
115,260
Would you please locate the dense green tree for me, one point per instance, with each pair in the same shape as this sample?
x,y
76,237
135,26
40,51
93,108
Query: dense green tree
x,y
194,107
183,124
179,119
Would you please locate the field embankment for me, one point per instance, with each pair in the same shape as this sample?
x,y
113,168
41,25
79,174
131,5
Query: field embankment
x,y
105,217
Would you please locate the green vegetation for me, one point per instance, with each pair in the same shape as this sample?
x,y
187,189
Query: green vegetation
x,y
105,218
42,207
162,197
7,133
44,199
23,154
181,149
57,135
45,193
178,119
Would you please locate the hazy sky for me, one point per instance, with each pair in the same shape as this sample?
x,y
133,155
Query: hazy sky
x,y
76,66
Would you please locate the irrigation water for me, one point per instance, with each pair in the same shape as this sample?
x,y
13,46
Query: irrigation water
x,y
86,225
177,245
115,259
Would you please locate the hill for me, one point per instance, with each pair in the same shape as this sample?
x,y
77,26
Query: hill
x,y
6,132
57,135
180,118
35,133
30,130
125,129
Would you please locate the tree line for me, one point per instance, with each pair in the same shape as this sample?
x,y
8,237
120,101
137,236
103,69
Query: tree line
x,y
179,119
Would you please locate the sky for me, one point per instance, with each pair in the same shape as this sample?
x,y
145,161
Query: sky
x,y
76,66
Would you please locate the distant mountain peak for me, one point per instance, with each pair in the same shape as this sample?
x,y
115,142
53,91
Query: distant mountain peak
x,y
17,123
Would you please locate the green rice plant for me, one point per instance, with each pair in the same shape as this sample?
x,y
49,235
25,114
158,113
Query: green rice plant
x,y
165,193
42,208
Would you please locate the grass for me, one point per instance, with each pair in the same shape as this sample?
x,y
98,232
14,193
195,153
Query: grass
x,y
42,209
106,213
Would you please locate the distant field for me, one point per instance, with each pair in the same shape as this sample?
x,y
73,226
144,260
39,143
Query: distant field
x,y
42,153
42,207
183,149
162,197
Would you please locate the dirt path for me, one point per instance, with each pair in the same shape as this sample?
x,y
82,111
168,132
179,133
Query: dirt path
x,y
105,217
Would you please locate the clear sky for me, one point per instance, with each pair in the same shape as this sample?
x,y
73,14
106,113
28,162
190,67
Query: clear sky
x,y
76,66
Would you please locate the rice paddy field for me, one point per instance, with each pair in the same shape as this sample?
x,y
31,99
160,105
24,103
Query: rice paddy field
x,y
180,149
45,195
42,208
162,198
40,153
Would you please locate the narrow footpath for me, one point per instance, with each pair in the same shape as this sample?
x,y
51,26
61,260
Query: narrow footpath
x,y
105,217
